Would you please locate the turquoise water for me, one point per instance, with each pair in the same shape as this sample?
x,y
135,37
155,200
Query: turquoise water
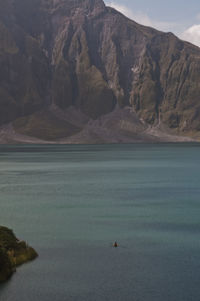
x,y
72,202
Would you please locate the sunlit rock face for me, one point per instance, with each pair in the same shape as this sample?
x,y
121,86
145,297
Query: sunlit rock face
x,y
82,54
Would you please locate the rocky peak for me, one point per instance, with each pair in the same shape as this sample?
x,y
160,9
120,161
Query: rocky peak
x,y
71,7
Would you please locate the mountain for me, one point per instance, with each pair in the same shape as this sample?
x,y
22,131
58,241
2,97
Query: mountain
x,y
76,71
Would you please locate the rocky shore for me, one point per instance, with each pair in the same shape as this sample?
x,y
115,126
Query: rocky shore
x,y
13,252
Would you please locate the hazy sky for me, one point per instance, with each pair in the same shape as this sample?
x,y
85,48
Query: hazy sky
x,y
179,16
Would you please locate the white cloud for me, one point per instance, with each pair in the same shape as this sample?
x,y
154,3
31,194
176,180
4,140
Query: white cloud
x,y
142,18
192,34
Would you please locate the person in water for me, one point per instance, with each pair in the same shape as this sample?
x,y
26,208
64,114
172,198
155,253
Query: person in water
x,y
115,245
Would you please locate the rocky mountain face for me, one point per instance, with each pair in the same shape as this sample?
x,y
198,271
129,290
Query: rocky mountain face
x,y
78,71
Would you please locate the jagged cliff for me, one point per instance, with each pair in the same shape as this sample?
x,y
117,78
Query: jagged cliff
x,y
78,71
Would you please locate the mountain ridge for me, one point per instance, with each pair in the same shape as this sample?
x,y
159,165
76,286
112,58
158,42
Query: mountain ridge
x,y
58,55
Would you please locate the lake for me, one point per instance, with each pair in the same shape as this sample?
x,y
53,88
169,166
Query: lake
x,y
72,202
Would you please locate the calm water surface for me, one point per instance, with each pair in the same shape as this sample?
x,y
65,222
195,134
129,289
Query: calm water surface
x,y
72,202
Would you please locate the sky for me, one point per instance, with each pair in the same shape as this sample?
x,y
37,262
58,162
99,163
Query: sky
x,y
177,16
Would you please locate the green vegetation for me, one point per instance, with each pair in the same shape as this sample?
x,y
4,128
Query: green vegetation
x,y
13,253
